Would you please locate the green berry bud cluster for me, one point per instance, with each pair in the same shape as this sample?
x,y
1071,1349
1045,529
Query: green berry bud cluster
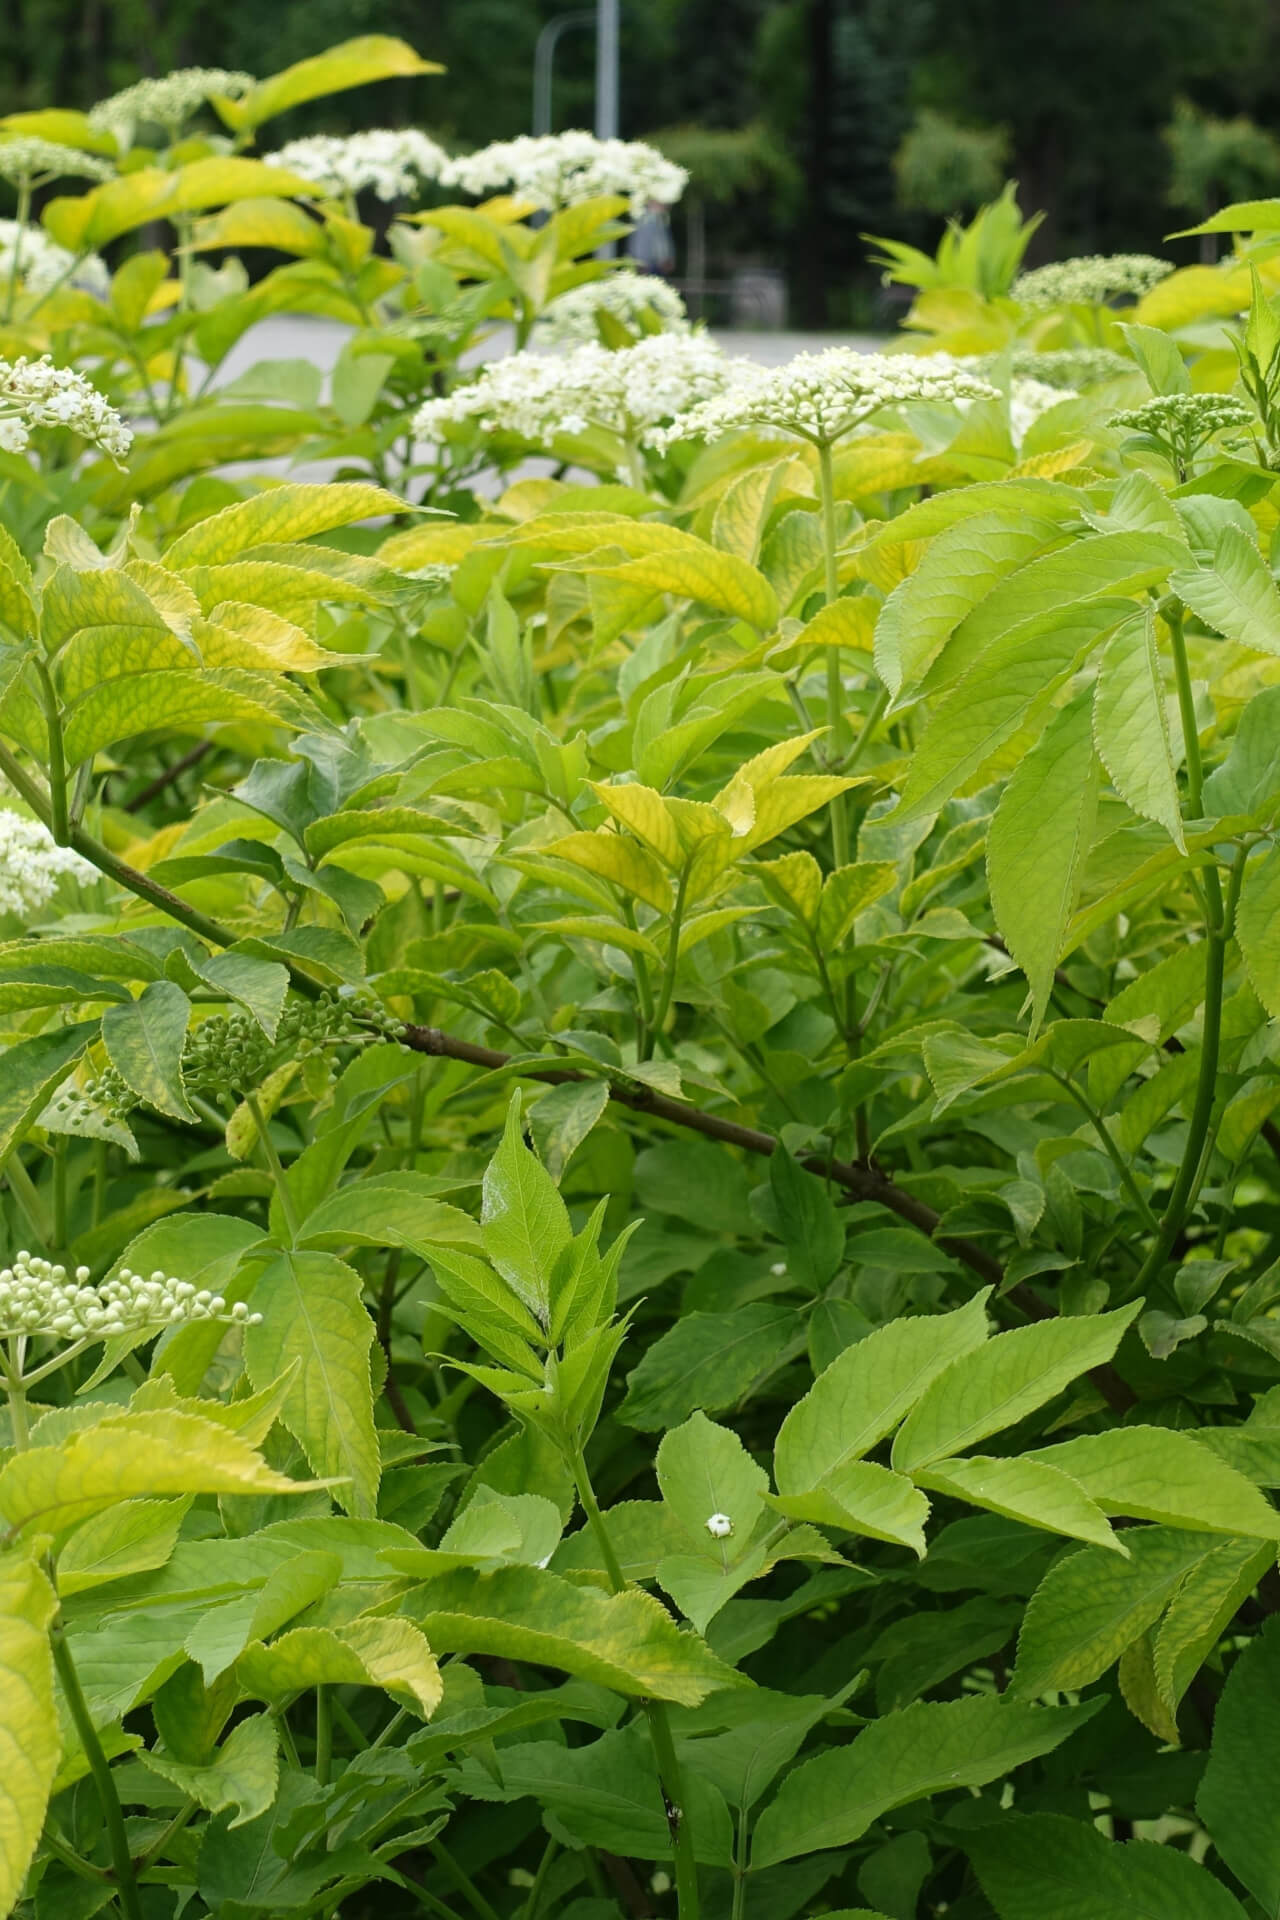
x,y
232,1051
37,1297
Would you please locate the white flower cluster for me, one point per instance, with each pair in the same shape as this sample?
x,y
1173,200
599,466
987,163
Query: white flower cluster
x,y
392,163
166,102
559,169
1091,280
35,393
823,396
1028,399
42,263
39,1298
537,396
24,157
631,297
719,1526
31,863
1074,367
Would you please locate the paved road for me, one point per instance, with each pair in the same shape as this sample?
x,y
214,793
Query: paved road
x,y
299,337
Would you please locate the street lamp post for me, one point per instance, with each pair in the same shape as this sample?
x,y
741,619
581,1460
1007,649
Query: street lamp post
x,y
544,54
607,69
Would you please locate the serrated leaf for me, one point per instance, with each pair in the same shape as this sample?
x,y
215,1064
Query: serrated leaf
x,y
1091,1605
926,1748
313,1315
1154,1474
1200,1611
352,63
1092,1878
1131,725
1258,927
524,1224
369,1652
30,1745
125,1454
626,1641
31,1070
144,1039
1037,844
1237,596
997,1385
867,1390
1026,1490
290,513
563,1117
243,1774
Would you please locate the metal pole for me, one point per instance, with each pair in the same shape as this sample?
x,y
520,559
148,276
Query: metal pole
x,y
544,54
607,69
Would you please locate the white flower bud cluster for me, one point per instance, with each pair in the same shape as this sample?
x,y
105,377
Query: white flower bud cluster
x,y
1028,399
719,1526
24,157
392,163
631,297
42,263
823,396
1090,281
536,396
1074,367
166,102
31,863
35,393
37,1297
559,169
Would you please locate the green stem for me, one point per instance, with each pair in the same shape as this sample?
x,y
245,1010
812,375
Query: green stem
x,y
465,1885
740,1867
109,1799
835,685
1217,932
324,1735
1109,1146
59,819
534,1901
668,986
664,1751
287,1207
16,1389
23,1189
24,213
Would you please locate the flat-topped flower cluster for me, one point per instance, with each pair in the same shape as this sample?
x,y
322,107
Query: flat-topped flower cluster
x,y
537,396
559,169
1091,280
42,264
823,396
633,298
25,157
167,101
31,864
391,163
37,1297
35,393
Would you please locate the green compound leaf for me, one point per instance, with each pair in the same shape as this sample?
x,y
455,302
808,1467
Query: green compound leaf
x,y
926,1748
144,1040
1033,1865
30,1746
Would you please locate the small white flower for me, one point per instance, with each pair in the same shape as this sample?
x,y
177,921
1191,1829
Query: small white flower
x,y
393,163
559,169
537,396
1091,280
166,102
719,1526
31,864
570,320
823,396
37,1297
1028,399
42,263
778,1268
25,157
35,393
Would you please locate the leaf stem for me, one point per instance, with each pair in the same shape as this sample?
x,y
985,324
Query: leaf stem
x,y
669,1772
59,819
287,1207
324,1735
465,1885
835,684
109,1799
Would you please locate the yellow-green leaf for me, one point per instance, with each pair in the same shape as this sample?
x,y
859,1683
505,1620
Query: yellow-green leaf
x,y
353,63
29,1741
291,513
369,1652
